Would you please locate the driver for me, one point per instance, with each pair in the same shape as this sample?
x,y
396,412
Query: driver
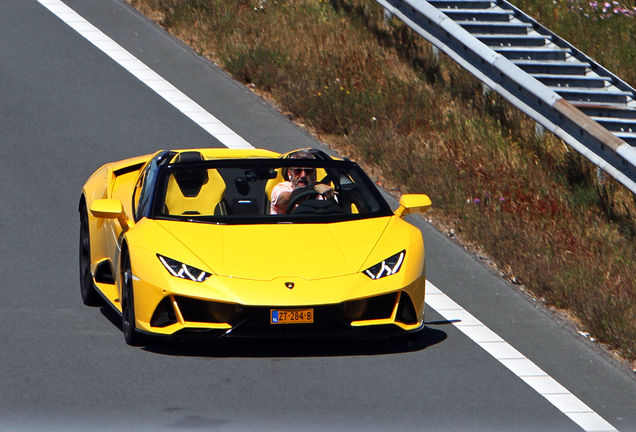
x,y
298,177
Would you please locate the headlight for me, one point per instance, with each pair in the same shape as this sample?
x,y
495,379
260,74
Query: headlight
x,y
183,271
387,267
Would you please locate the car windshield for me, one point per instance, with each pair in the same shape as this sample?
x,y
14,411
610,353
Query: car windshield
x,y
239,191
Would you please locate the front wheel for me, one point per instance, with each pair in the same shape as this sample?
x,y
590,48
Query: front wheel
x,y
131,335
90,296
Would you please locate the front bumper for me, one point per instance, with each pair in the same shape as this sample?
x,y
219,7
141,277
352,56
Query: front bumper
x,y
386,314
225,306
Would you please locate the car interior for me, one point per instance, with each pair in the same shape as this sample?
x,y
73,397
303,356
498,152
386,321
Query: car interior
x,y
233,191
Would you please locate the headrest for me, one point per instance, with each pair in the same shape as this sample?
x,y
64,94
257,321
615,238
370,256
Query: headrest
x,y
189,156
190,181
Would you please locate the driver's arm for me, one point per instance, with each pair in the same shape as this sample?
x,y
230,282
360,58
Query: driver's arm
x,y
283,199
280,197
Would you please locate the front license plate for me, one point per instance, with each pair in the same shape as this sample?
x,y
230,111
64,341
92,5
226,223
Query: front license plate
x,y
291,316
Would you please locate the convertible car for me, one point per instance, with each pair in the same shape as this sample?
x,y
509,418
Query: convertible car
x,y
185,244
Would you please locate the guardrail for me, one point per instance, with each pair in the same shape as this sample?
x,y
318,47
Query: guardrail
x,y
569,94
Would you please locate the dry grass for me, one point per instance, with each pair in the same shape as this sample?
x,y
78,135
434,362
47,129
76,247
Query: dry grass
x,y
376,92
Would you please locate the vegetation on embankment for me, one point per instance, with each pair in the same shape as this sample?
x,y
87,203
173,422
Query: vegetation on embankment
x,y
377,93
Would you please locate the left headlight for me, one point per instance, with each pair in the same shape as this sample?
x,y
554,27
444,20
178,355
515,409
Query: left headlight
x,y
183,271
387,267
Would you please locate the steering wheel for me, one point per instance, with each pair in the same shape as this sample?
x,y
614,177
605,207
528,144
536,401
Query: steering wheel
x,y
300,193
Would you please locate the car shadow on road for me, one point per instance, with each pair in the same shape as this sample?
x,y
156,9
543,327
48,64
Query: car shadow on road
x,y
298,347
290,347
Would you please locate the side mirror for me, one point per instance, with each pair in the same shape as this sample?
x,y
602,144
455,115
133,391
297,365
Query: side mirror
x,y
412,203
110,209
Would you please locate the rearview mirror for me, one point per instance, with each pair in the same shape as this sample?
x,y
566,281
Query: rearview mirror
x,y
413,203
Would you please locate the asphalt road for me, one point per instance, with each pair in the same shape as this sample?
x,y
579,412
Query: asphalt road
x,y
65,109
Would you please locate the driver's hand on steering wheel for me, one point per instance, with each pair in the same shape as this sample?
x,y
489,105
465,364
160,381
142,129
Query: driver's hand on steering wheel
x,y
324,190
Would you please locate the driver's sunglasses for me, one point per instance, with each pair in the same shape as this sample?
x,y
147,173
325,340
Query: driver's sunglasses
x,y
308,171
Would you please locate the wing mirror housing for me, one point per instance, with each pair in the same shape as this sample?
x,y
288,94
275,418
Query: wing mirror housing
x,y
413,203
110,209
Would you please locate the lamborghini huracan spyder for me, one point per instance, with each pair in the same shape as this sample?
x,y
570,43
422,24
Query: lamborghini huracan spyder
x,y
184,243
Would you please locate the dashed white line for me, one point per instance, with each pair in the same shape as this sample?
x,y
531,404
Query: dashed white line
x,y
158,84
516,362
492,343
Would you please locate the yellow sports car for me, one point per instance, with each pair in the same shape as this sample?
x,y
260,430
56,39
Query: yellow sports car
x,y
249,243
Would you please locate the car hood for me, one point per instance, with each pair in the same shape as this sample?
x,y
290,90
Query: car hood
x,y
265,252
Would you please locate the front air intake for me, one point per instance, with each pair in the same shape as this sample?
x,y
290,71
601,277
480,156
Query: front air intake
x,y
164,314
371,308
195,310
406,311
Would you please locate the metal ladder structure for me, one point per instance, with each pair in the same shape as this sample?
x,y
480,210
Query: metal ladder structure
x,y
561,88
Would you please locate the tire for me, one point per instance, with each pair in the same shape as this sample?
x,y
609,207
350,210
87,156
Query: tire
x,y
131,335
89,293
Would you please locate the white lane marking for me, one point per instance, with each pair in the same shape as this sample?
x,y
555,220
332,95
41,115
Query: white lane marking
x,y
163,88
516,362
545,385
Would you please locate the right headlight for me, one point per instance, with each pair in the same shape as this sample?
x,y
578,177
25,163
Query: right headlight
x,y
387,267
183,271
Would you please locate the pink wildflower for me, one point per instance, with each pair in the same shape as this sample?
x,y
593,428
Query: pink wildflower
x,y
593,4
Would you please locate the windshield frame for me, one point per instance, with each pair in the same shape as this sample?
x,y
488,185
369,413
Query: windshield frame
x,y
383,209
